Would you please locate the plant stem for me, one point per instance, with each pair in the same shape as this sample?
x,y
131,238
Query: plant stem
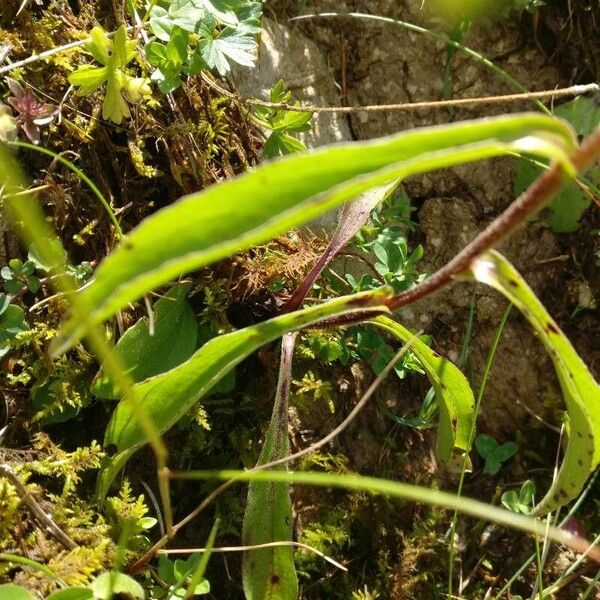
x,y
530,201
486,373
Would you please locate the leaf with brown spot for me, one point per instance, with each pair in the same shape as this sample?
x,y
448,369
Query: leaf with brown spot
x,y
453,394
580,390
269,573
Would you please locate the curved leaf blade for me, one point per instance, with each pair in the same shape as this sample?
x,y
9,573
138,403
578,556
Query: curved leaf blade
x,y
144,355
234,215
580,390
169,396
453,392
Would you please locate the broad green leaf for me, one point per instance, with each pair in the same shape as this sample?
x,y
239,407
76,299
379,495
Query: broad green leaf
x,y
9,591
107,584
232,216
453,393
169,396
580,391
269,573
143,355
72,593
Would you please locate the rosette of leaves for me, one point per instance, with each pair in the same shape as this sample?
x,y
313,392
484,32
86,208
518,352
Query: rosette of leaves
x,y
195,35
121,87
31,112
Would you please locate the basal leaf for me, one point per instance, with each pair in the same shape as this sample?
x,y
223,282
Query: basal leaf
x,y
169,396
10,591
250,209
108,585
143,355
453,392
580,390
269,573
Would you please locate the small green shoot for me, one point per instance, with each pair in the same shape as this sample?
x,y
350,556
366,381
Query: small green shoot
x,y
177,575
12,322
18,275
522,501
121,88
493,453
281,123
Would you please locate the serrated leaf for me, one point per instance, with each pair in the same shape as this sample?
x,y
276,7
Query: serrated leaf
x,y
453,393
220,10
207,226
143,355
580,390
269,573
212,54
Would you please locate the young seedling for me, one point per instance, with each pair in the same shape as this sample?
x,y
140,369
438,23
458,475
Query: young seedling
x,y
493,453
121,88
522,501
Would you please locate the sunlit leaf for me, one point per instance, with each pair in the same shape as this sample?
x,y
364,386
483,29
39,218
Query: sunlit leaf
x,y
453,393
143,354
204,227
580,390
169,396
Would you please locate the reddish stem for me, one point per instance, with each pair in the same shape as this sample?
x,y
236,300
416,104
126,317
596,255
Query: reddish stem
x,y
530,201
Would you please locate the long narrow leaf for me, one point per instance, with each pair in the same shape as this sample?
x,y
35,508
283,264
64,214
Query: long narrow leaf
x,y
269,573
453,392
169,396
250,209
397,489
353,216
580,390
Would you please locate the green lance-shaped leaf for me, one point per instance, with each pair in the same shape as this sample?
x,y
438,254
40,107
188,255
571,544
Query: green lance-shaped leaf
x,y
269,573
250,209
580,390
169,396
143,354
453,393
